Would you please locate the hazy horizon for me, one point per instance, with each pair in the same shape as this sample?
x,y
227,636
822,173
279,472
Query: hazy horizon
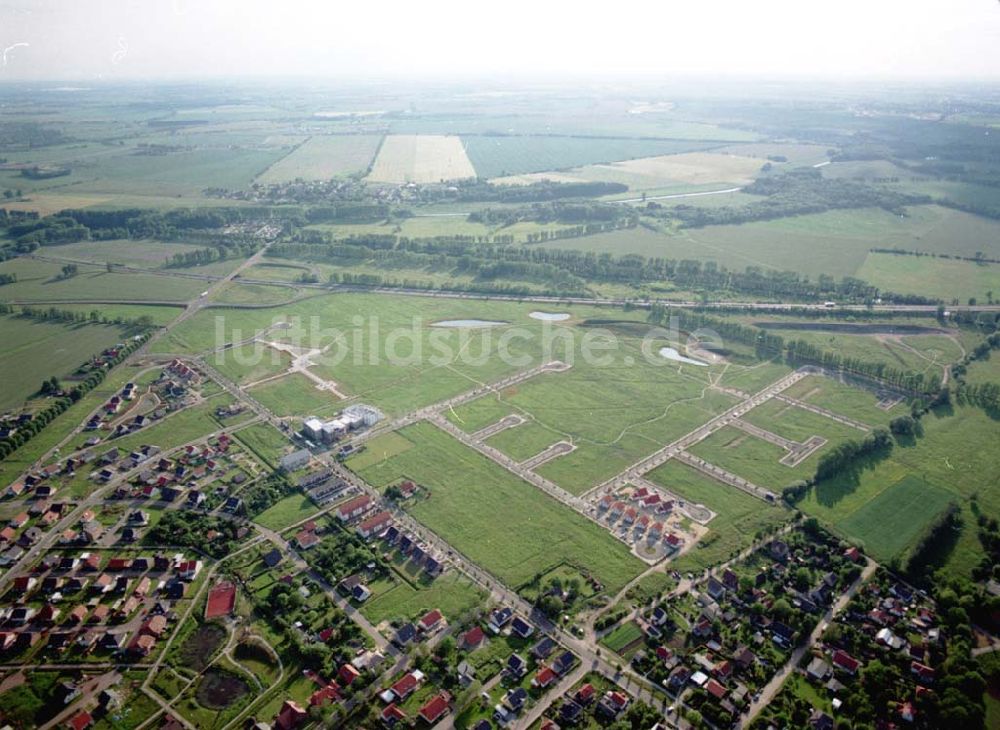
x,y
108,40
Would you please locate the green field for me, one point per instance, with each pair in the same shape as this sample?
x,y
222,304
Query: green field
x,y
322,157
753,458
34,350
274,271
497,156
622,637
159,314
479,414
923,353
524,441
138,254
249,363
835,242
285,512
179,173
891,521
39,281
497,520
957,455
944,279
235,293
265,441
294,395
857,403
984,371
452,593
799,424
395,375
739,517
379,449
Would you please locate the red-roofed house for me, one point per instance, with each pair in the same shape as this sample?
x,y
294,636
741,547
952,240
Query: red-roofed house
x,y
907,712
348,674
585,694
473,637
922,672
715,689
405,686
81,721
353,508
544,677
375,525
435,708
431,621
290,716
328,694
392,714
843,660
306,539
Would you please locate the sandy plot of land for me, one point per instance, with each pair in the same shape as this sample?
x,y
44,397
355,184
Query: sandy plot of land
x,y
323,157
692,168
47,204
421,159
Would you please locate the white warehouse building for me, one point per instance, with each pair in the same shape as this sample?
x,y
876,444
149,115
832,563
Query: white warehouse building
x,y
353,418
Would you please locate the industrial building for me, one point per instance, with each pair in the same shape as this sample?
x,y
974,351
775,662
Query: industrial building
x,y
352,418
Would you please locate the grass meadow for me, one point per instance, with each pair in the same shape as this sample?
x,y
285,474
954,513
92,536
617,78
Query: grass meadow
x,y
34,350
944,279
651,173
294,395
452,593
834,242
286,512
954,459
40,281
500,522
854,402
738,516
265,441
753,458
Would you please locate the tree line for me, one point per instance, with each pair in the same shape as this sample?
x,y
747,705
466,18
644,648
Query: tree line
x,y
798,192
44,417
489,261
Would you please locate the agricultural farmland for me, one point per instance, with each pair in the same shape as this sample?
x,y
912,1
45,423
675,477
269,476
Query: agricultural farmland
x,y
322,157
516,155
406,158
34,351
689,168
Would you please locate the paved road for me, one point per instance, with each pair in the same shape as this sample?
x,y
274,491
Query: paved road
x,y
725,418
774,686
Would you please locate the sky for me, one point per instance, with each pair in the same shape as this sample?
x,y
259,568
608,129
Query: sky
x,y
178,39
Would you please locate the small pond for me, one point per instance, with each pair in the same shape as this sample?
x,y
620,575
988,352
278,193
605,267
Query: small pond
x,y
467,323
671,354
550,316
